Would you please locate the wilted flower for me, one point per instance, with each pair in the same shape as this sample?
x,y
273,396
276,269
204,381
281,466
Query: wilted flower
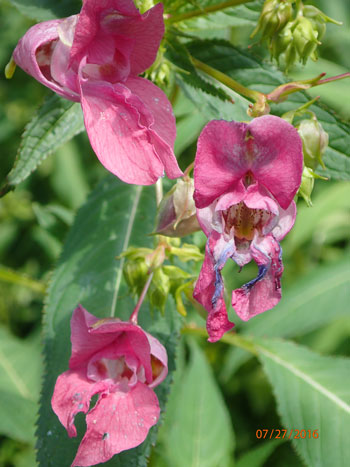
x,y
246,176
122,364
94,58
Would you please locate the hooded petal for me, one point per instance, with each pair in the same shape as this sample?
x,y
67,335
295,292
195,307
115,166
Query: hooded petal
x,y
72,394
34,51
209,289
278,160
263,292
163,129
286,219
118,125
118,22
118,422
220,160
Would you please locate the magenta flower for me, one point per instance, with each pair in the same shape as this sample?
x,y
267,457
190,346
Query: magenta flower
x,y
120,362
94,58
245,176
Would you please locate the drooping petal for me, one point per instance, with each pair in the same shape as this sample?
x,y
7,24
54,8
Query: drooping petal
x,y
118,422
34,51
263,292
72,394
220,160
163,128
277,160
118,132
209,289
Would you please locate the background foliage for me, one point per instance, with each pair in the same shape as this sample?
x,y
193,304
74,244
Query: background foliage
x,y
221,394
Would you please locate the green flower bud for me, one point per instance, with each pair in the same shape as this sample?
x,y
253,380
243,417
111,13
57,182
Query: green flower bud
x,y
177,211
315,142
274,16
159,290
135,274
305,38
281,41
307,185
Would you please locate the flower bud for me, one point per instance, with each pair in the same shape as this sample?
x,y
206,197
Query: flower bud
x,y
177,211
135,273
315,142
307,185
274,16
159,290
305,38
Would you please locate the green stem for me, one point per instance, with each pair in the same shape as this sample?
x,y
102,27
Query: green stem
x,y
205,11
255,96
230,338
13,277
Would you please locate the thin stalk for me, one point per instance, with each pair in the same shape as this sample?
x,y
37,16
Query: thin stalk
x,y
134,315
230,338
255,96
204,11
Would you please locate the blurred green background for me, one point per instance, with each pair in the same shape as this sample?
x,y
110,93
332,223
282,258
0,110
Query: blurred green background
x,y
35,218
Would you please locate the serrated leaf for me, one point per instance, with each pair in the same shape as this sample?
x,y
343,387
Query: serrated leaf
x,y
44,10
313,393
56,122
314,300
115,216
198,431
248,70
20,370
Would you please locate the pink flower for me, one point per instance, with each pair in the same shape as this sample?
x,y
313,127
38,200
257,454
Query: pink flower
x,y
94,58
246,176
120,362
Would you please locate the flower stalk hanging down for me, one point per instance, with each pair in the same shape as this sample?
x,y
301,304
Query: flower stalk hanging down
x,y
245,176
122,364
95,58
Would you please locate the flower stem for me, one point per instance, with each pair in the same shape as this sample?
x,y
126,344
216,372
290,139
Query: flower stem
x,y
227,81
230,338
134,315
205,11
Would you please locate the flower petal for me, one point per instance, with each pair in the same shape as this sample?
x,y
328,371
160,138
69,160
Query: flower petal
x,y
160,360
209,289
72,394
278,160
163,128
263,292
119,421
33,54
286,219
118,128
220,160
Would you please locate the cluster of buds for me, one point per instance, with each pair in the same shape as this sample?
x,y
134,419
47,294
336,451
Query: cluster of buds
x,y
167,278
294,33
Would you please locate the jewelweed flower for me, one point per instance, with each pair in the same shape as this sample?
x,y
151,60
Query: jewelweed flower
x,y
245,177
95,58
122,364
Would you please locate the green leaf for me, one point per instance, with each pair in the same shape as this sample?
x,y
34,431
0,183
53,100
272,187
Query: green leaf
x,y
313,393
115,216
198,431
259,455
248,70
20,370
315,300
56,122
44,10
